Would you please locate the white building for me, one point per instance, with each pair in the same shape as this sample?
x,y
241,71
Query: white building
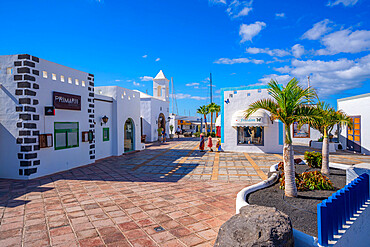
x,y
50,120
257,134
155,109
358,108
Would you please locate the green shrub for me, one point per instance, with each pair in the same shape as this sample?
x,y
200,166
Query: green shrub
x,y
320,139
197,134
212,134
313,159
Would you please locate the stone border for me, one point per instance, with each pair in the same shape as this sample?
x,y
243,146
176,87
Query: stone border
x,y
301,239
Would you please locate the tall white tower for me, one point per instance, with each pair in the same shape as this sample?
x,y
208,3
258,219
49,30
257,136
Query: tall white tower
x,y
161,86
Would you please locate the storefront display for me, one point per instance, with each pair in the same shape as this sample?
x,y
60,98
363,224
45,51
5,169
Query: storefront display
x,y
251,135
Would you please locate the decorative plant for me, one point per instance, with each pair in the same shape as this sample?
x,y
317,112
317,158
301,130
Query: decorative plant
x,y
288,104
312,180
313,159
159,131
213,108
171,128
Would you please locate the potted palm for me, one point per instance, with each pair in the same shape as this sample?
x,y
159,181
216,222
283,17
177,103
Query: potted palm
x,y
289,104
171,131
204,110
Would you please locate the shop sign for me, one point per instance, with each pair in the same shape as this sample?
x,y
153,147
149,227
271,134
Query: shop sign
x,y
66,101
251,120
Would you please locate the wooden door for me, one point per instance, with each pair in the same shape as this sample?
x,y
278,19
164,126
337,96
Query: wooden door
x,y
354,135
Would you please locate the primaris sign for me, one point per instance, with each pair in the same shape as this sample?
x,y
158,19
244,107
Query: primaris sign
x,y
66,101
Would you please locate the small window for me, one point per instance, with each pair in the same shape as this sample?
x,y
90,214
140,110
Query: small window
x,y
69,80
44,74
54,77
129,97
62,78
160,108
259,90
83,83
105,134
65,135
248,94
235,92
159,92
231,95
9,71
77,82
121,96
124,92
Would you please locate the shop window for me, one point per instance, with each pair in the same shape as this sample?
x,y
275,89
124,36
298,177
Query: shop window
x,y
9,71
248,94
77,82
44,74
62,78
65,135
251,135
259,90
69,80
105,134
83,83
54,77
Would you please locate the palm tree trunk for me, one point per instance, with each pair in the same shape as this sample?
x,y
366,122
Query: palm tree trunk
x,y
211,122
205,122
289,168
325,155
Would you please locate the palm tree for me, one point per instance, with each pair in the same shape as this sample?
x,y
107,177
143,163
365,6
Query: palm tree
x,y
288,104
213,107
329,117
204,110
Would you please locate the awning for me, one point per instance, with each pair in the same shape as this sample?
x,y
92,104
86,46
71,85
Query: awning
x,y
218,121
259,118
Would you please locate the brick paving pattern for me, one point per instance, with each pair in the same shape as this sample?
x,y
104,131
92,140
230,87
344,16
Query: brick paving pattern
x,y
121,201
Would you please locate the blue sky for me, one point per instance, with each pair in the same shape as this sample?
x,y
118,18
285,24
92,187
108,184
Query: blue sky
x,y
241,42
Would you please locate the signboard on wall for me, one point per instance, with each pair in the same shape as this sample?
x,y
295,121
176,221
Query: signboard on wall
x,y
303,132
66,101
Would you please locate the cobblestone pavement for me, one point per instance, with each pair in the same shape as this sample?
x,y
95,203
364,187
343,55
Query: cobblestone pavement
x,y
167,195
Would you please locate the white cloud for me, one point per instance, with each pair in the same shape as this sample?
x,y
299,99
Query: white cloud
x,y
137,84
194,84
271,52
247,32
239,8
188,96
117,80
297,50
237,60
344,2
280,15
145,56
217,1
318,30
331,77
345,41
146,78
157,59
283,79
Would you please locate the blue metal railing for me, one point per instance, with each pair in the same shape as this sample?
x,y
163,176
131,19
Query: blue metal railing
x,y
335,211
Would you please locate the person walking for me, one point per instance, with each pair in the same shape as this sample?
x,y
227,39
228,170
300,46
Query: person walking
x,y
178,131
218,145
163,135
209,143
201,143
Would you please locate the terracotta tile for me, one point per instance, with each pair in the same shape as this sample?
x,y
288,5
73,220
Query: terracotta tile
x,y
177,214
199,226
83,226
89,233
11,233
162,218
35,228
62,238
89,242
139,216
14,241
172,243
60,231
102,223
119,244
187,220
38,243
192,240
170,224
214,222
134,234
180,232
128,226
145,222
162,237
143,242
208,234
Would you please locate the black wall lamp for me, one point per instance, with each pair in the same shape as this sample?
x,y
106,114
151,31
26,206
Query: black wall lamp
x,y
104,120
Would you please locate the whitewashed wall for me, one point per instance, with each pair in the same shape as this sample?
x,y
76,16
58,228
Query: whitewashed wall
x,y
9,162
126,104
357,106
240,101
103,107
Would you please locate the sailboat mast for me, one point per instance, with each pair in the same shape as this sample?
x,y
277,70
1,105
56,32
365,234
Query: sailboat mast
x,y
210,81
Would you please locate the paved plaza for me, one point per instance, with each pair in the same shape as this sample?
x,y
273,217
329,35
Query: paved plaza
x,y
166,195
